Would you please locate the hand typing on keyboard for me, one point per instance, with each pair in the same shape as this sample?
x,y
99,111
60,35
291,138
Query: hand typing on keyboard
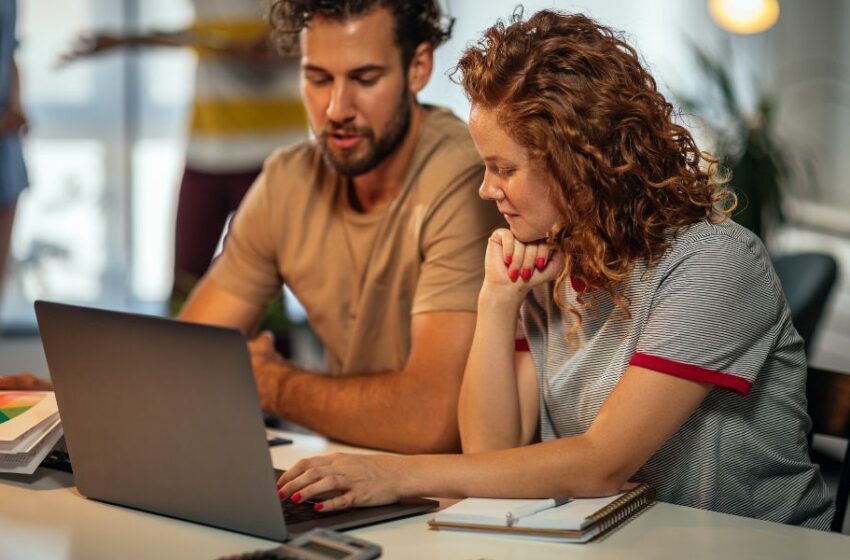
x,y
358,480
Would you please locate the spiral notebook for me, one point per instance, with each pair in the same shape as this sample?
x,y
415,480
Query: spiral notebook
x,y
578,520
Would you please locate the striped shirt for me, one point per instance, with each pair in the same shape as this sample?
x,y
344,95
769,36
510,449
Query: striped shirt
x,y
240,113
711,310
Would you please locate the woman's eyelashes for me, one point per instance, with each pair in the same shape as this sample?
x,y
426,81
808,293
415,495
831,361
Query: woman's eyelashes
x,y
502,171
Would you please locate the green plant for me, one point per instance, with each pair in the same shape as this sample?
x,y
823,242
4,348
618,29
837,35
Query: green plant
x,y
274,318
746,144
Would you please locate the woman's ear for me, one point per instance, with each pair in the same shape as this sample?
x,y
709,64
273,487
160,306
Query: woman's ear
x,y
420,68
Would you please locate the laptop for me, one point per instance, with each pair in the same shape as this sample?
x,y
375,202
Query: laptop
x,y
163,416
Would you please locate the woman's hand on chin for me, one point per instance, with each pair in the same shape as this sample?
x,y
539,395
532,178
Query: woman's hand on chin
x,y
343,480
512,268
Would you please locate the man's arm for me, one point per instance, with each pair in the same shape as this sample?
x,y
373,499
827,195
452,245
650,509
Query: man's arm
x,y
257,51
413,410
211,304
24,382
91,43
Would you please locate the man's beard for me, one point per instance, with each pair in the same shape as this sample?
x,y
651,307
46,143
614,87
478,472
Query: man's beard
x,y
346,163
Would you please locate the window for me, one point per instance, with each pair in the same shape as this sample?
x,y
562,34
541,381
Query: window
x,y
104,153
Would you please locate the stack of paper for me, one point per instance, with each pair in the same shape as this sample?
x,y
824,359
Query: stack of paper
x,y
29,428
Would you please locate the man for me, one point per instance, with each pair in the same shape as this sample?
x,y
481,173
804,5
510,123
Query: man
x,y
375,226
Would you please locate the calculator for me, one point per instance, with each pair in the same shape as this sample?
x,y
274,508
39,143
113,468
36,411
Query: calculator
x,y
318,544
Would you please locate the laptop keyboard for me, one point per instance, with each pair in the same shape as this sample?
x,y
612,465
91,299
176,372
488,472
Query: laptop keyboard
x,y
297,513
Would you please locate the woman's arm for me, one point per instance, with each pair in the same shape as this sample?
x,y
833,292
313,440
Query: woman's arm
x,y
644,410
498,406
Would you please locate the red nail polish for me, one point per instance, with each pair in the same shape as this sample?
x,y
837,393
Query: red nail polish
x,y
296,497
282,494
513,274
540,262
318,507
508,260
526,274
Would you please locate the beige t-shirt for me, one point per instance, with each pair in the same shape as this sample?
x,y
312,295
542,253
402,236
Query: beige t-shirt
x,y
360,277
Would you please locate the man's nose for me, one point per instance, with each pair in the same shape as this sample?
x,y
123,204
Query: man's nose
x,y
341,106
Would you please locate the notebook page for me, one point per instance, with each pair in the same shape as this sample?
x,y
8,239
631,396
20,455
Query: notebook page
x,y
574,515
482,511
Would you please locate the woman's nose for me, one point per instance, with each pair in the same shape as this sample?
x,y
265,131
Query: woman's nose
x,y
489,189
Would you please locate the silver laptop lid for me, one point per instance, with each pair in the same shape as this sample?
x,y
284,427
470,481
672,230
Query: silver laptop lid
x,y
162,416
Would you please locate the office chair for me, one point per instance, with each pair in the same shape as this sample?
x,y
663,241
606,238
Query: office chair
x,y
828,393
807,280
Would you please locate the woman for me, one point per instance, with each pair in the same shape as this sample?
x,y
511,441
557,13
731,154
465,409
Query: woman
x,y
661,346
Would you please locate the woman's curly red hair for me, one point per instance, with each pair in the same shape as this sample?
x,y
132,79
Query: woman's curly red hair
x,y
574,94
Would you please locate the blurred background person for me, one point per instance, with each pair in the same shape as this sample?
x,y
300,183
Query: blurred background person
x,y
13,172
246,104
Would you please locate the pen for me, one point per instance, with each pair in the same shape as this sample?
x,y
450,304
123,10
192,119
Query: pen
x,y
524,511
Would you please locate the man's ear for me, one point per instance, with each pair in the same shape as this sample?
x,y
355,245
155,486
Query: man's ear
x,y
421,66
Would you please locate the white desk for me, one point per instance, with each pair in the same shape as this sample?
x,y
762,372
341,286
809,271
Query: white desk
x,y
44,517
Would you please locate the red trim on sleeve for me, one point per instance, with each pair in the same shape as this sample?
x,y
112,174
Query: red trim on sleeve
x,y
578,285
521,345
690,371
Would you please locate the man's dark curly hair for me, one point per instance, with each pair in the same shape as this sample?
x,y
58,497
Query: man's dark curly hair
x,y
416,21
